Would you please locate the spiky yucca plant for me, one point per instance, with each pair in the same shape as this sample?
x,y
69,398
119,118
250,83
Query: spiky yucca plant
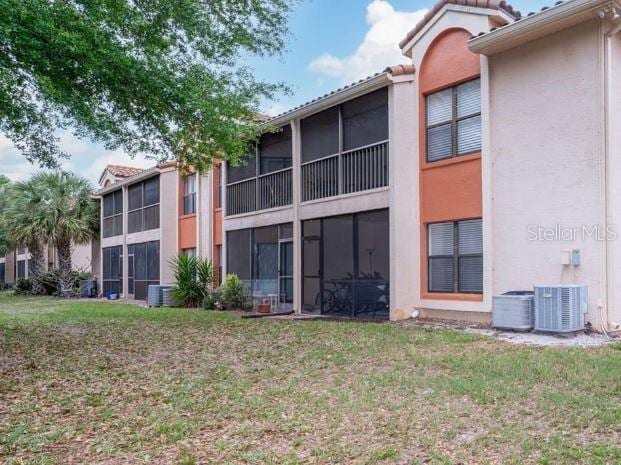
x,y
193,278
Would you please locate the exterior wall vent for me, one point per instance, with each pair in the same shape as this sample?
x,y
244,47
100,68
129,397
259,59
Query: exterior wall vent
x,y
560,309
513,310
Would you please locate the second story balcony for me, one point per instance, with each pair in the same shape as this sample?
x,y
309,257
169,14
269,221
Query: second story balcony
x,y
265,181
343,150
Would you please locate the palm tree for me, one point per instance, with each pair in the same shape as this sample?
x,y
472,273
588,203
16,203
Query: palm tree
x,y
21,227
68,215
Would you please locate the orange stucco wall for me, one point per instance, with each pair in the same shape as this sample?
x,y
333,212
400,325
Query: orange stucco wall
x,y
449,189
187,224
187,232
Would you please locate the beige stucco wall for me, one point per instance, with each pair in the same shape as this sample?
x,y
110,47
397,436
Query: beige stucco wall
x,y
204,233
87,257
547,161
612,48
169,222
9,271
404,208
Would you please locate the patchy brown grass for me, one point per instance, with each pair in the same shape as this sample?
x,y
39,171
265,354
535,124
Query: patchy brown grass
x,y
102,383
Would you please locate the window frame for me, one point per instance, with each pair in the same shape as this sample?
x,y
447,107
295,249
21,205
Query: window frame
x,y
189,195
454,122
114,216
144,207
456,256
190,251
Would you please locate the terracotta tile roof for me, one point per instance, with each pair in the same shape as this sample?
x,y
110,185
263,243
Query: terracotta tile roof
x,y
397,70
123,171
492,4
400,70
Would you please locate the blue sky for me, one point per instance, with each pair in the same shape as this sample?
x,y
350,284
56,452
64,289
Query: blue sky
x,y
332,42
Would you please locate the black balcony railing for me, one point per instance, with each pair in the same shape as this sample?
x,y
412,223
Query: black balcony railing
x,y
266,191
356,170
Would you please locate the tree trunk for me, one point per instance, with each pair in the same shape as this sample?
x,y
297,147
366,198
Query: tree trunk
x,y
38,266
65,280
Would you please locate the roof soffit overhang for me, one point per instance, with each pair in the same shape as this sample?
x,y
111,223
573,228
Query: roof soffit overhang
x,y
364,87
499,17
543,23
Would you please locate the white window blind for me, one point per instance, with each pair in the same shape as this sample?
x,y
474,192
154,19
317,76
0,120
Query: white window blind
x,y
454,121
441,261
455,256
440,107
470,261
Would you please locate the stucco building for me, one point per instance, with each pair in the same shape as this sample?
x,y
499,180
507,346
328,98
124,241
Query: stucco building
x,y
486,164
150,217
430,187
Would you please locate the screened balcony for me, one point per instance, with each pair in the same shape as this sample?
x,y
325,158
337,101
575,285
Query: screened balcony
x,y
345,148
265,180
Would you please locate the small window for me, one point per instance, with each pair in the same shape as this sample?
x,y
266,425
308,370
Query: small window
x,y
217,189
190,252
455,256
112,220
189,194
454,121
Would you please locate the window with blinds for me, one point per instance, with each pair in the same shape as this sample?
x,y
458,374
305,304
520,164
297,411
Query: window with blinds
x,y
454,121
455,256
189,194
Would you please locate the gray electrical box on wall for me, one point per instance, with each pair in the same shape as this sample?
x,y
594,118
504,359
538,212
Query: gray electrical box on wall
x,y
575,257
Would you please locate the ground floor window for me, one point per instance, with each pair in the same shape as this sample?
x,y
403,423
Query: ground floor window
x,y
263,259
2,273
21,268
190,252
345,265
455,256
143,268
112,278
217,265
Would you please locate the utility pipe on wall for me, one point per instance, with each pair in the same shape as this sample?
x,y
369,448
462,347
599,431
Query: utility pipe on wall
x,y
612,13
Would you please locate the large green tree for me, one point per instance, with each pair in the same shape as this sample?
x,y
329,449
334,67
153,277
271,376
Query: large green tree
x,y
162,77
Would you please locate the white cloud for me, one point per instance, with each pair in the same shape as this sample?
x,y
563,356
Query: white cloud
x,y
87,159
379,49
276,109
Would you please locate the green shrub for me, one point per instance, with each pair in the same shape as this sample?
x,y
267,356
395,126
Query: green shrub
x,y
50,280
193,278
23,286
234,294
213,300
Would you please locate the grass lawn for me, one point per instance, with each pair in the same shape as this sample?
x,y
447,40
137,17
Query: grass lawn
x,y
84,382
